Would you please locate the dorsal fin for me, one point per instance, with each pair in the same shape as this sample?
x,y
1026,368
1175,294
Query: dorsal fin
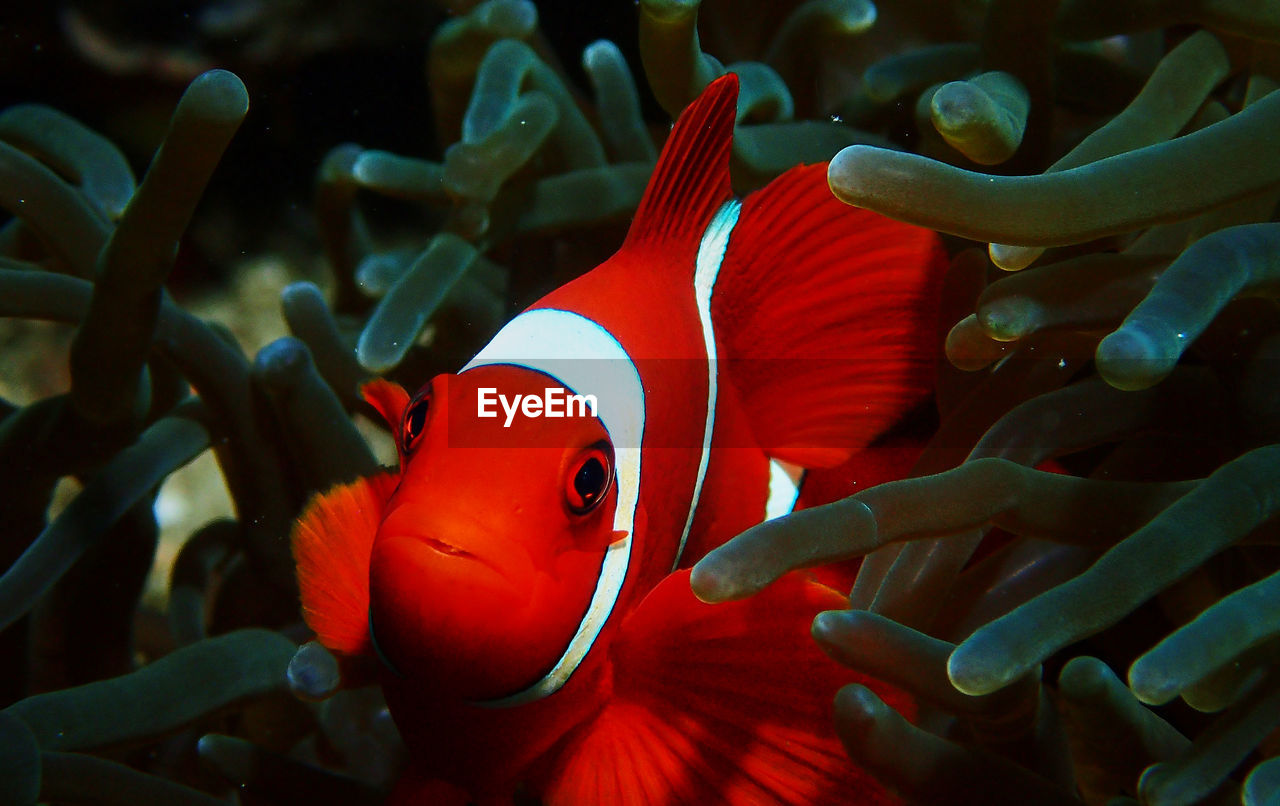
x,y
691,179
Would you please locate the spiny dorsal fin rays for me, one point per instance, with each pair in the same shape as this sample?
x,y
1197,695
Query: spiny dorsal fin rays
x,y
691,179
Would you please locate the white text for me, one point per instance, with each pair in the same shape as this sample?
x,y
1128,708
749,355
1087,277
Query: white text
x,y
554,402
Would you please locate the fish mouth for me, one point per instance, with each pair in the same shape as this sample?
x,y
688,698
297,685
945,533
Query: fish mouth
x,y
447,555
447,549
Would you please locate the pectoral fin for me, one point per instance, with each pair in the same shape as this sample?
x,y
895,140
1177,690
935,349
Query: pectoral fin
x,y
332,541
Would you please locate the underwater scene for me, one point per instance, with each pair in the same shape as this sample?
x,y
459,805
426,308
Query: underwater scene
x,y
640,402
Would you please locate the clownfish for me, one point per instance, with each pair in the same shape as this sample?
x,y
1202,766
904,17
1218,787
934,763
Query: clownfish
x,y
522,578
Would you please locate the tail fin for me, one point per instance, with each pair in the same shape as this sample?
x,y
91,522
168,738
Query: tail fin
x,y
825,313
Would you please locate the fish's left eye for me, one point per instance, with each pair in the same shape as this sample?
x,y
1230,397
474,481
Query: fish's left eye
x,y
415,422
588,480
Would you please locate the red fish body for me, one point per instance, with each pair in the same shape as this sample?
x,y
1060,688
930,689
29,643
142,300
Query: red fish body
x,y
524,578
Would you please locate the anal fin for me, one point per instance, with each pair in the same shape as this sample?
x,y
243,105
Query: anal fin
x,y
719,704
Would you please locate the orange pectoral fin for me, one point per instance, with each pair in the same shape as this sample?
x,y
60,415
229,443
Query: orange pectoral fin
x,y
332,541
728,703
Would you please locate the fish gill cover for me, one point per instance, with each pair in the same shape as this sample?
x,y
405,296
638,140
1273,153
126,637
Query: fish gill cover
x,y
1078,581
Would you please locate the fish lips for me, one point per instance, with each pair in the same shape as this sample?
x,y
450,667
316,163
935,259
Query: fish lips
x,y
440,611
433,559
449,542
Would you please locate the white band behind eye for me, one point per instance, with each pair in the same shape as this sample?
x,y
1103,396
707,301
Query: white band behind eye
x,y
585,358
711,251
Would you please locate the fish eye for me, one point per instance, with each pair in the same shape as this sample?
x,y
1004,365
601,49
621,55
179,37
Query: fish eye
x,y
415,421
588,479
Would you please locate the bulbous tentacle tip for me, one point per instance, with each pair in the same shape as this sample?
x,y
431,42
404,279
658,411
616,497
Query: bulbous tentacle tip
x,y
1262,786
1010,257
1010,319
301,291
514,19
1149,683
601,54
283,362
979,670
709,584
969,347
670,11
855,17
858,708
1131,359
1084,678
844,168
313,673
829,625
217,95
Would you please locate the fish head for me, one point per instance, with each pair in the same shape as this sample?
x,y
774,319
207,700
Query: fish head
x,y
491,546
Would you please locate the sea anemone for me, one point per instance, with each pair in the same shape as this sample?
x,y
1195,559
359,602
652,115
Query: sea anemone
x,y
1079,580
